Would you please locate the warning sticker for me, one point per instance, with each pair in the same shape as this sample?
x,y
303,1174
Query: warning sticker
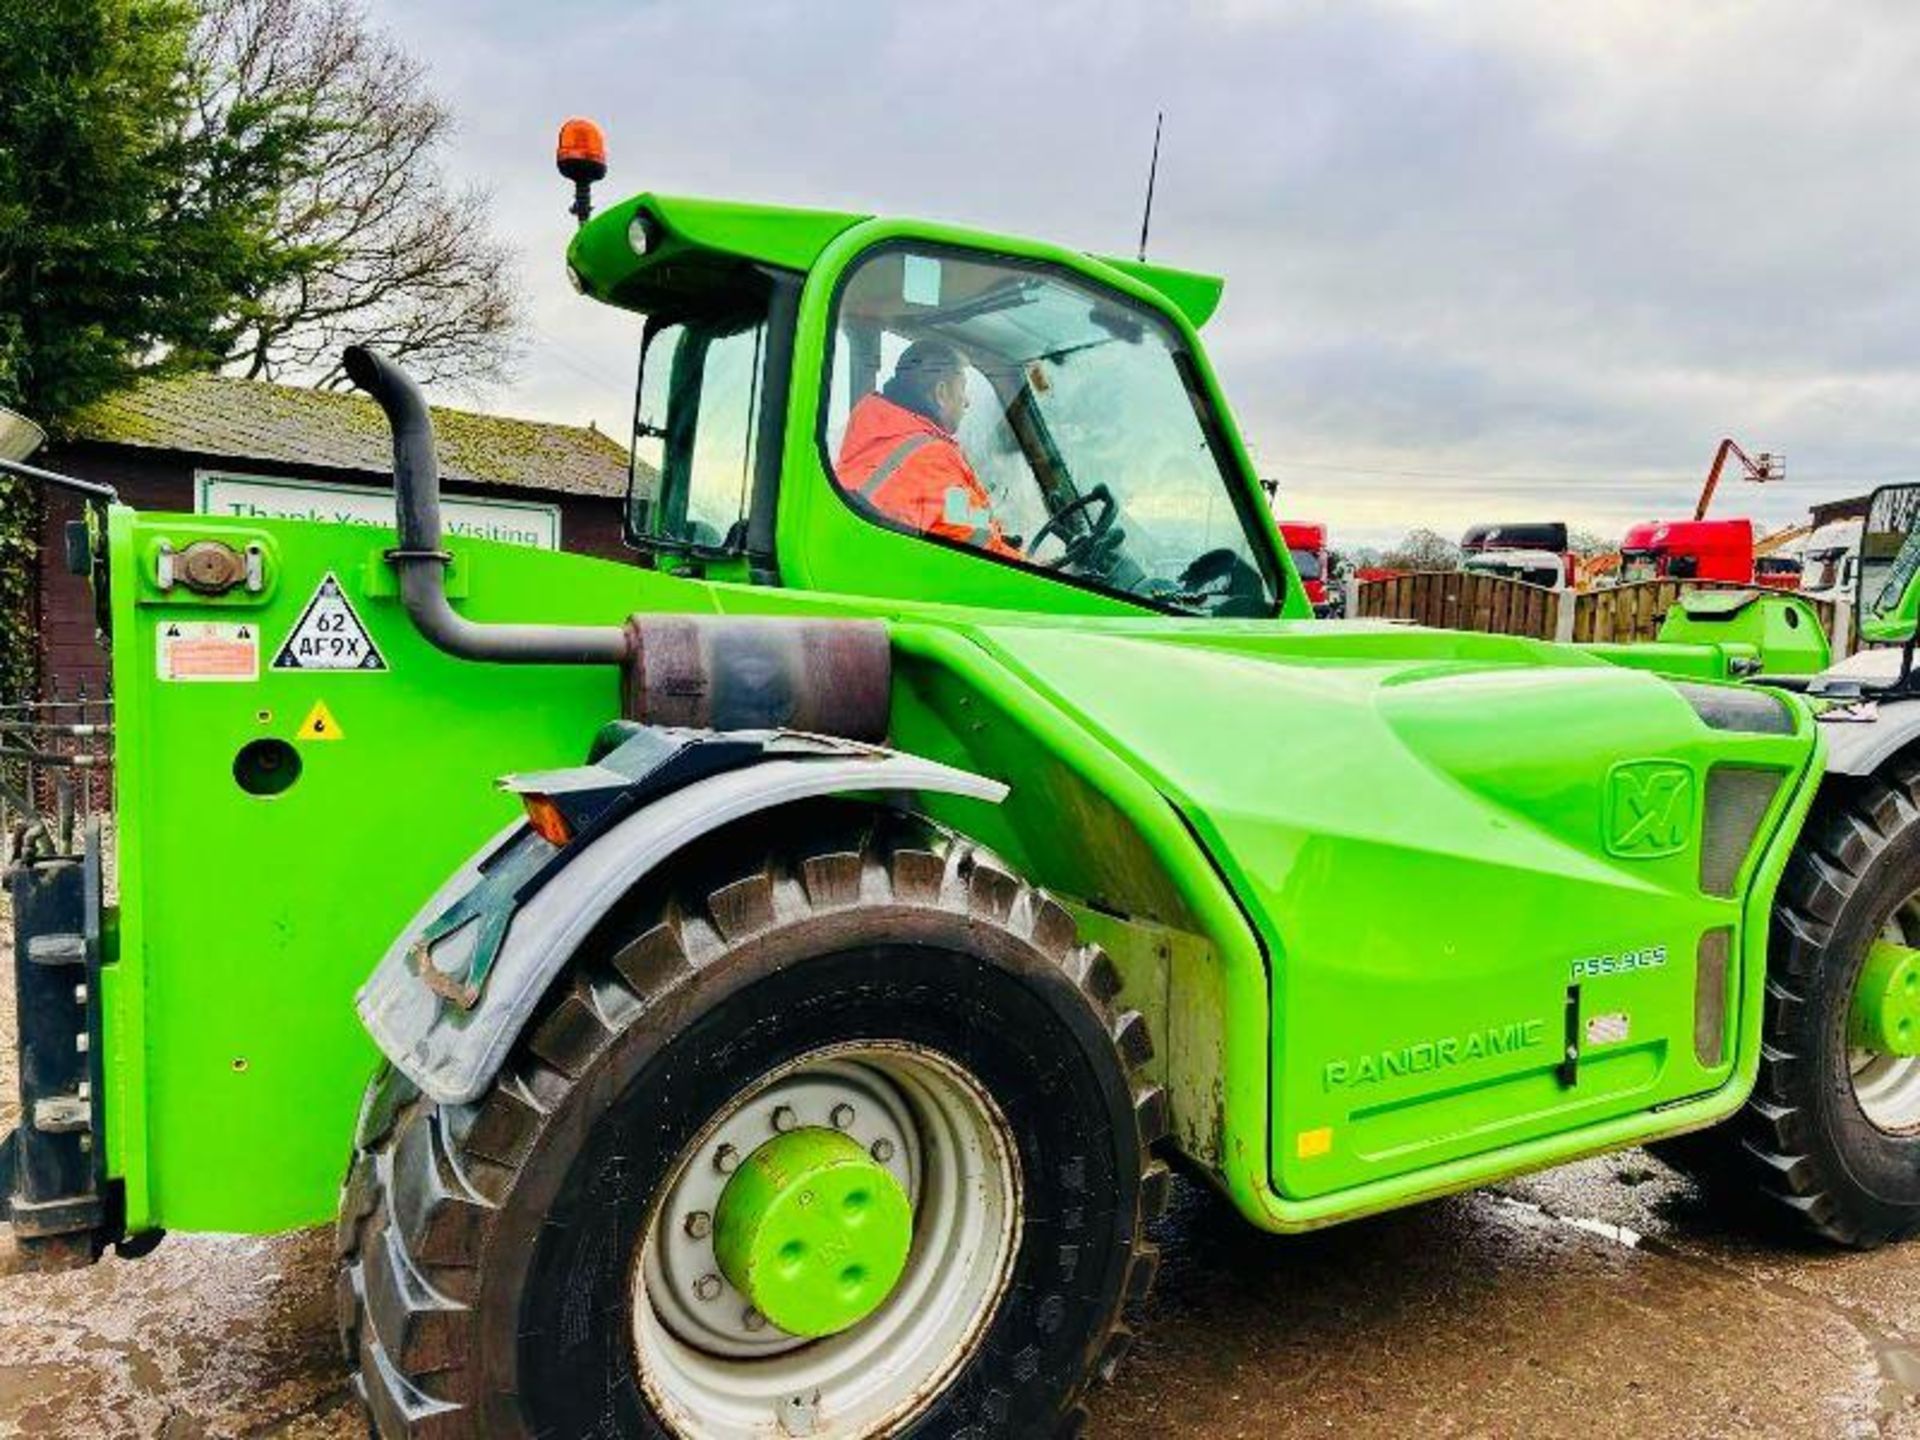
x,y
209,650
329,636
319,724
1609,1029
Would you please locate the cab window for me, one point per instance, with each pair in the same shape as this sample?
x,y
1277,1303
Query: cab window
x,y
1639,565
695,433
1028,414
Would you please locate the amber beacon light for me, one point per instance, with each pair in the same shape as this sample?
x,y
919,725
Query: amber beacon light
x,y
581,155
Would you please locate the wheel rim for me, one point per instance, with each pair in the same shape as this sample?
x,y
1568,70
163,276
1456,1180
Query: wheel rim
x,y
1887,1087
716,1369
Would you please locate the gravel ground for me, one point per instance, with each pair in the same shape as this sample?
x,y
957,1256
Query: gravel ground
x,y
1601,1299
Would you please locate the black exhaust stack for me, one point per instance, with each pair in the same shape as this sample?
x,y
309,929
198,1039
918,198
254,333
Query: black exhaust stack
x,y
421,563
719,672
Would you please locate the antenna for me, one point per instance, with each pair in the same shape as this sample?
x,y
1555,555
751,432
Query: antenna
x,y
1153,168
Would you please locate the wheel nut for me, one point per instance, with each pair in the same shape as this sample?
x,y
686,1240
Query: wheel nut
x,y
753,1319
726,1159
842,1117
699,1224
784,1119
883,1150
707,1287
799,1414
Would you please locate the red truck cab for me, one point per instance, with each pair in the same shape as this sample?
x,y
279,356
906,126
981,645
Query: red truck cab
x,y
1307,542
1688,550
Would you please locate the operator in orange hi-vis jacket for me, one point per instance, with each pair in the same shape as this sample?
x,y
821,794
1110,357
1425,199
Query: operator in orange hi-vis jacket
x,y
901,457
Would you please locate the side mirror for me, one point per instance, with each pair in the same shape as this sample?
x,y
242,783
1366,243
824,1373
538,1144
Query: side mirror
x,y
19,436
1886,595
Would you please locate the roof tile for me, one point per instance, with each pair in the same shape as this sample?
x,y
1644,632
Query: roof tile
x,y
254,420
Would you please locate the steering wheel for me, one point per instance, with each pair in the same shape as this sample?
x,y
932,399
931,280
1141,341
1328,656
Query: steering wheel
x,y
1082,545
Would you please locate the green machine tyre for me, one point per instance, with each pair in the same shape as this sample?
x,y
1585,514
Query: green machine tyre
x,y
844,1141
1832,1132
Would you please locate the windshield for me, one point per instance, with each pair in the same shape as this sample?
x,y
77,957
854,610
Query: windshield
x,y
1639,565
1307,562
1543,575
1822,569
1053,425
1889,555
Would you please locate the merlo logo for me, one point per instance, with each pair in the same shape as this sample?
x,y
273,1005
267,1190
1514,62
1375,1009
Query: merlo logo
x,y
1649,808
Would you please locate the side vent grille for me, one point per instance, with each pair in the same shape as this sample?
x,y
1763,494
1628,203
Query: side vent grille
x,y
1737,800
1710,997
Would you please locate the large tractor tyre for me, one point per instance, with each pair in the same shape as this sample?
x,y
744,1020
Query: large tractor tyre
x,y
1832,1132
848,1141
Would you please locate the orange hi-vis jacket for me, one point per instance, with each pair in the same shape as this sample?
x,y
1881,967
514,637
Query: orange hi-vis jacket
x,y
908,468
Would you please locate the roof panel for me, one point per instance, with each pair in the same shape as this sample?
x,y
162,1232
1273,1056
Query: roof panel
x,y
255,421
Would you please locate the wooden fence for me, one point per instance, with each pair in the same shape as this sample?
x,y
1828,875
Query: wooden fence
x,y
1462,600
1496,605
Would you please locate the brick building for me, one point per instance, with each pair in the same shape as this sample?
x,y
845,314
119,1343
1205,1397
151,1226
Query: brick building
x,y
228,446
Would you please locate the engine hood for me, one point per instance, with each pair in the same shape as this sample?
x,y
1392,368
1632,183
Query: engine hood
x,y
1498,884
1298,752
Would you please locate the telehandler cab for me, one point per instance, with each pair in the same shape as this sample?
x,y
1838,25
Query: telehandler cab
x,y
795,1042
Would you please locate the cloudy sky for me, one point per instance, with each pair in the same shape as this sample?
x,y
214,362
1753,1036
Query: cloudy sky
x,y
1485,260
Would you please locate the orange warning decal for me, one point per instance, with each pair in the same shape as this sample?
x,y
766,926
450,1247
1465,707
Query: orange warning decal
x,y
208,650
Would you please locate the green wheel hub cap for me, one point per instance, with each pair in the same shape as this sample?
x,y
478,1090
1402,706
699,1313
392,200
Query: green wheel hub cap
x,y
813,1231
1886,1002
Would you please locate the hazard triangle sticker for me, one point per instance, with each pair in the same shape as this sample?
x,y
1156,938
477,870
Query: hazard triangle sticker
x,y
320,725
329,635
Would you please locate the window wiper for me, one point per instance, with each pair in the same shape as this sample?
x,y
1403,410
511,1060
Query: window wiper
x,y
1054,357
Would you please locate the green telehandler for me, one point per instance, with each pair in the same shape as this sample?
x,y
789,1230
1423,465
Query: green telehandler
x,y
887,885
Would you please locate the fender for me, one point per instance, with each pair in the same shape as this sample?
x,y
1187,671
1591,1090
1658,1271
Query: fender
x,y
452,1049
1861,747
1862,737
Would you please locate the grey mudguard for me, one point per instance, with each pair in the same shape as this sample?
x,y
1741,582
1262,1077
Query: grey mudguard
x,y
1863,737
451,1053
1860,747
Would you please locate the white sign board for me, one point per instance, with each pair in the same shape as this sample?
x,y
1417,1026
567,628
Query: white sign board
x,y
260,497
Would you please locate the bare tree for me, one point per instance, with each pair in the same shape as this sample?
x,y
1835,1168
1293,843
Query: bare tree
x,y
1423,550
1591,542
372,243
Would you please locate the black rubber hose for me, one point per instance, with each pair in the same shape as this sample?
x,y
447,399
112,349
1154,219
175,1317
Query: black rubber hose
x,y
419,561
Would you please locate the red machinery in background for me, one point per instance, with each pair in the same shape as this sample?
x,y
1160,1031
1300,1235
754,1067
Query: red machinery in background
x,y
1307,541
1768,467
1688,550
1703,549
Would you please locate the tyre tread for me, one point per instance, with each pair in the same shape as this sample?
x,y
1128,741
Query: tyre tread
x,y
425,1179
1769,1144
